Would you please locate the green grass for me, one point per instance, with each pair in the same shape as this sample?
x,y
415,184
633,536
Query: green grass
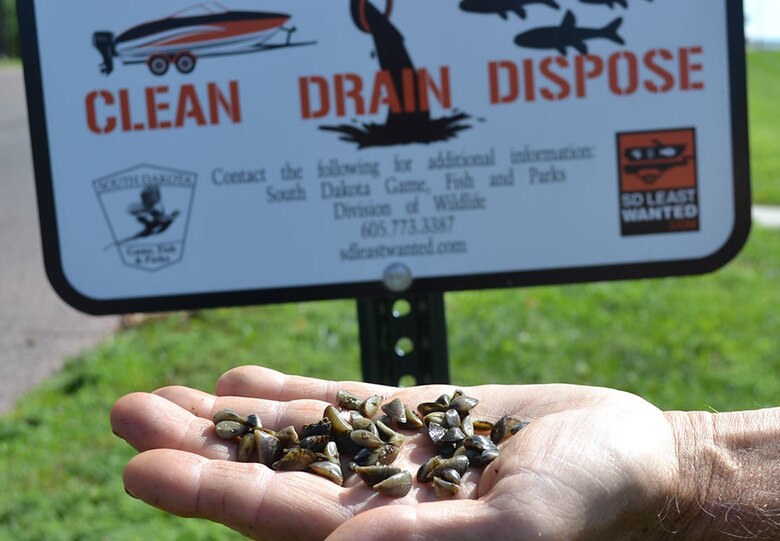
x,y
764,114
688,343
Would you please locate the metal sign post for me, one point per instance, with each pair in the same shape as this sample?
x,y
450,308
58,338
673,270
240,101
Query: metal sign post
x,y
406,341
209,154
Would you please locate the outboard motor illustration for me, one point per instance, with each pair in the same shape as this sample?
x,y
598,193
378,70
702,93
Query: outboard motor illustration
x,y
650,163
199,31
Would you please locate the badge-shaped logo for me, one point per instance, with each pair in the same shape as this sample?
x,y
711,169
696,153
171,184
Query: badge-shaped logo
x,y
147,209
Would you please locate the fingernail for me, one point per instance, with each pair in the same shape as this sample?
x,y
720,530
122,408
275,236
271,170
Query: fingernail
x,y
130,494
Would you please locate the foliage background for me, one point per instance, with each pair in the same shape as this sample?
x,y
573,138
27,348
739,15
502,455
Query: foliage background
x,y
9,33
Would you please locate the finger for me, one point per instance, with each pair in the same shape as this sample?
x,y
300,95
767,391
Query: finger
x,y
180,418
273,414
147,421
249,498
259,382
452,520
256,381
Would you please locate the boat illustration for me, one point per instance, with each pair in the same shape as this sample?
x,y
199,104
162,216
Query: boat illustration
x,y
202,30
649,163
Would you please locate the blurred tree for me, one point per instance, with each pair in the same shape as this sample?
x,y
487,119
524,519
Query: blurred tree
x,y
3,46
9,32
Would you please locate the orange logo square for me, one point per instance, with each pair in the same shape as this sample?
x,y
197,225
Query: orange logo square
x,y
657,160
658,181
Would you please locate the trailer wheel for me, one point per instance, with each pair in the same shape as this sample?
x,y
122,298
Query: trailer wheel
x,y
185,63
158,64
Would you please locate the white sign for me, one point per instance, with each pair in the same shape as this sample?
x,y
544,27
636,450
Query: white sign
x,y
195,155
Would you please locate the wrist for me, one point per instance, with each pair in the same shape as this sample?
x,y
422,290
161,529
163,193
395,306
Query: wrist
x,y
729,476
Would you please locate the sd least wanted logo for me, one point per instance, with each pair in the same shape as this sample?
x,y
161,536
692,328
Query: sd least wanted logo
x,y
147,209
658,181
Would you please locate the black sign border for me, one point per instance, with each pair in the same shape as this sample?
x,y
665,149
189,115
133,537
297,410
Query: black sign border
x,y
56,275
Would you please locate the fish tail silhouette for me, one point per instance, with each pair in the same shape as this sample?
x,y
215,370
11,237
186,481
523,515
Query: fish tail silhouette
x,y
611,31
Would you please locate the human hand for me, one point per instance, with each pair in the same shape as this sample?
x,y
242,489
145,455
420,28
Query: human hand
x,y
593,463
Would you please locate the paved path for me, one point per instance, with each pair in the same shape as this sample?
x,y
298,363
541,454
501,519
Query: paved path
x,y
38,331
766,216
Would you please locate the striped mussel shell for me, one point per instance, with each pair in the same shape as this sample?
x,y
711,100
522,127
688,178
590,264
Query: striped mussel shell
x,y
338,424
347,400
388,480
296,459
370,406
388,434
320,428
482,426
230,430
329,470
413,420
445,489
463,404
315,443
384,455
268,447
395,409
288,437
366,438
246,447
505,427
228,415
395,486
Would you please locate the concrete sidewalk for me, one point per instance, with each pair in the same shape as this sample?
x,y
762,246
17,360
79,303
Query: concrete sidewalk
x,y
766,216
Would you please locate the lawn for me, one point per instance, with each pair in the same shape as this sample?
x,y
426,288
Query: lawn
x,y
764,114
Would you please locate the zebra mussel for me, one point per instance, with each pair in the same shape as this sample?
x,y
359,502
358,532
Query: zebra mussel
x,y
362,436
459,440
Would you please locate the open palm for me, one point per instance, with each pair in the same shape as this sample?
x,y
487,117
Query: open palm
x,y
592,464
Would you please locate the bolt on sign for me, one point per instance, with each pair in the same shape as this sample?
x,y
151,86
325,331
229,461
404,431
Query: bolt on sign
x,y
209,154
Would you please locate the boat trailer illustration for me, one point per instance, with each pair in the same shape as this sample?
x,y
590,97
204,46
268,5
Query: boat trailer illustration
x,y
203,30
651,162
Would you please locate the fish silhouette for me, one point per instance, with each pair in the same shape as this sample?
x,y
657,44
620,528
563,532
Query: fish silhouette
x,y
568,35
610,3
503,7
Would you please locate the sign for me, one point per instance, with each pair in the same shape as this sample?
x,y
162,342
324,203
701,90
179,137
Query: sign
x,y
225,153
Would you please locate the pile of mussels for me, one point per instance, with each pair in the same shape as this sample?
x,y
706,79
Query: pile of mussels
x,y
360,431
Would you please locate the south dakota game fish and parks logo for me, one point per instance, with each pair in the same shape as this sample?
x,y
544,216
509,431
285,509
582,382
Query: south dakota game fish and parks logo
x,y
147,209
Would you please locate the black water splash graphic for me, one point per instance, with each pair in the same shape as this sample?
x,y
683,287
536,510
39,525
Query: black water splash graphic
x,y
400,128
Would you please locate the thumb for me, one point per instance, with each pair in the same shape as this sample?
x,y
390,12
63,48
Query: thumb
x,y
455,520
